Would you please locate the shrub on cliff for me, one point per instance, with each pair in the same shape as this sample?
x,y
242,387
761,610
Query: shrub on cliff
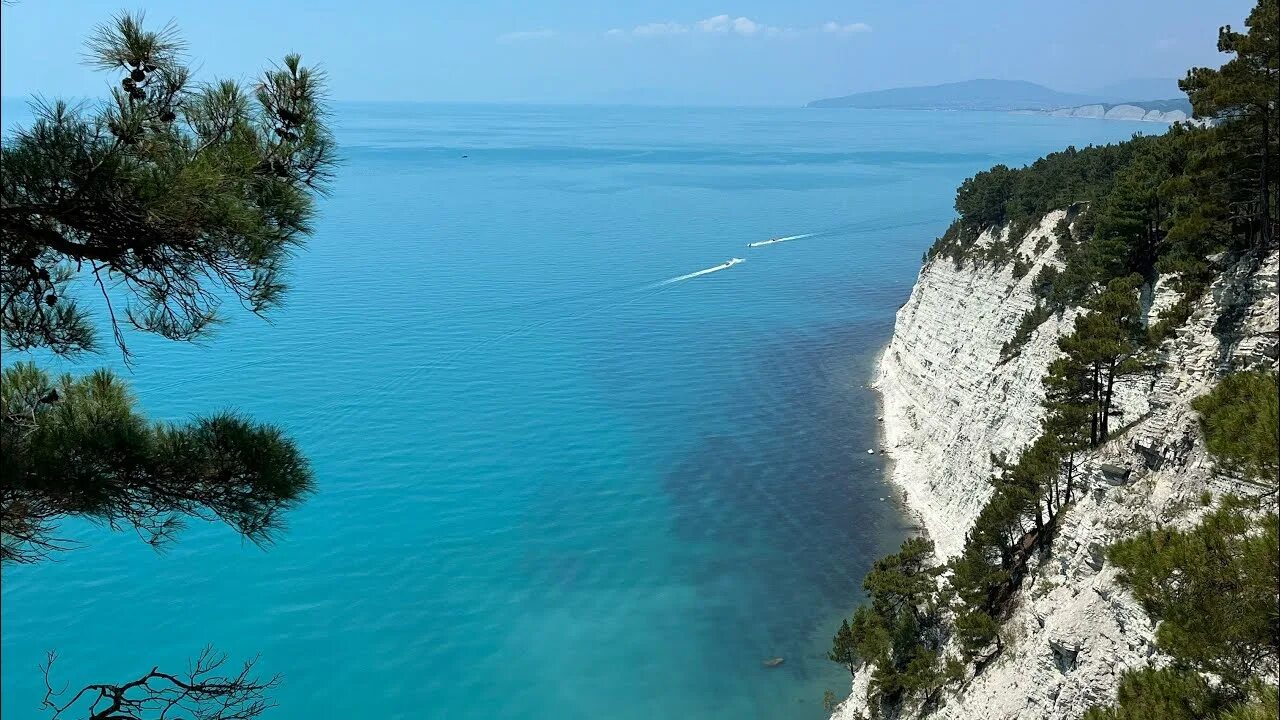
x,y
1165,694
1213,591
1241,423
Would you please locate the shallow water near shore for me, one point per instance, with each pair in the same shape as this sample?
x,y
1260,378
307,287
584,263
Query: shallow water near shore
x,y
562,471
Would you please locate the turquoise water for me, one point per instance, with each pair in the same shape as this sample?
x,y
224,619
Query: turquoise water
x,y
552,485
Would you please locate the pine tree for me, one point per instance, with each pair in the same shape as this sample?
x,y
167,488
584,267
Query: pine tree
x,y
1164,694
1212,589
1244,95
1104,346
169,200
843,648
900,632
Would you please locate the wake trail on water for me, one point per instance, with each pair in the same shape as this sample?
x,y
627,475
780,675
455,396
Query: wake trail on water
x,y
415,372
762,243
700,273
857,227
635,292
631,292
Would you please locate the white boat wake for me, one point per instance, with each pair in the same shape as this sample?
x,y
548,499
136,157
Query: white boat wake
x,y
708,271
780,239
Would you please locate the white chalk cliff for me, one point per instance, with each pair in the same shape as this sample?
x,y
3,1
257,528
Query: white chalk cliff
x,y
950,403
1120,112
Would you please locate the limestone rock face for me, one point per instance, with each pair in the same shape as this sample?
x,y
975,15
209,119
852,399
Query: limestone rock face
x,y
1119,112
1090,111
949,399
1167,116
950,402
1125,112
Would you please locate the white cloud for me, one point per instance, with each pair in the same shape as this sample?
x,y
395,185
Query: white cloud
x,y
524,35
652,29
726,24
846,29
738,25
719,23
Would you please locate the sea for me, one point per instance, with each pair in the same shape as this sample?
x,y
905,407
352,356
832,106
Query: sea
x,y
586,444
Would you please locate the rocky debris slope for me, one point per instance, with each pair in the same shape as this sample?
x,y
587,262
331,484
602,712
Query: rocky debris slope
x,y
950,402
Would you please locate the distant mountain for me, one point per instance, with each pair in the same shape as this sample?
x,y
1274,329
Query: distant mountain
x,y
967,95
1128,90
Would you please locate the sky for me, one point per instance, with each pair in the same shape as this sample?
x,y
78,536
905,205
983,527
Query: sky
x,y
733,52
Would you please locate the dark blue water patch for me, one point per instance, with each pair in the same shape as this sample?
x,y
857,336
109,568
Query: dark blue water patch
x,y
787,497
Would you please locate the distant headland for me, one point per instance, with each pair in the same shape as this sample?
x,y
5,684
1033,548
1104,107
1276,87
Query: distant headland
x,y
1017,95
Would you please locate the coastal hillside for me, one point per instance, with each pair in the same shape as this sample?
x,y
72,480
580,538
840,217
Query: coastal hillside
x,y
1081,405
966,95
1014,95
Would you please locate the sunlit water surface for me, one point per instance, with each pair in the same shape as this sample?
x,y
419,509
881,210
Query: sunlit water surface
x,y
551,485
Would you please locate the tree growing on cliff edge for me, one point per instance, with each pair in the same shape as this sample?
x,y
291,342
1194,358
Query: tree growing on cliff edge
x,y
900,633
844,649
1104,346
1244,95
168,201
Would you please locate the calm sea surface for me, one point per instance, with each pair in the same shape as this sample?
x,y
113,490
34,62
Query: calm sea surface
x,y
551,485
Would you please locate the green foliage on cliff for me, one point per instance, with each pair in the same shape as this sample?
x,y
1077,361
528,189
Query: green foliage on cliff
x,y
1241,423
1165,694
900,633
1213,591
1177,694
1020,197
1104,346
1242,152
1027,325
